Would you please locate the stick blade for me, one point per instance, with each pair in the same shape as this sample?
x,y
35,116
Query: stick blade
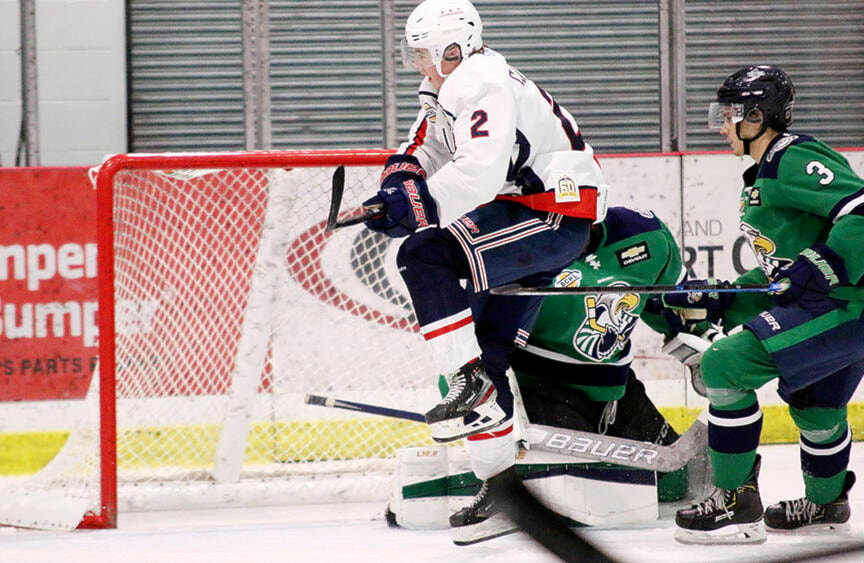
x,y
337,190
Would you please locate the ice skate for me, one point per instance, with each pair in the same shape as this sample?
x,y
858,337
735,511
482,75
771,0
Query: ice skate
x,y
728,516
480,521
805,517
471,395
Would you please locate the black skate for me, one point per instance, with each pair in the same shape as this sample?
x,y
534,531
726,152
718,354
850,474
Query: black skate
x,y
470,392
726,517
480,521
802,516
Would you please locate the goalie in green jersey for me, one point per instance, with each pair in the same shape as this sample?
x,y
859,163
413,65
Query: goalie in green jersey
x,y
575,369
575,372
802,210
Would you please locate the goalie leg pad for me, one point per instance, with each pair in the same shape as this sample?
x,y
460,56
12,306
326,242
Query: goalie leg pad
x,y
584,494
590,493
419,497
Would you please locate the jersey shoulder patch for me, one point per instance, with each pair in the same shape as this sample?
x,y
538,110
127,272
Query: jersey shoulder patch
x,y
771,163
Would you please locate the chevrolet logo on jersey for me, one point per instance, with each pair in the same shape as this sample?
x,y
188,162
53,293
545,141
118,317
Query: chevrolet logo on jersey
x,y
633,254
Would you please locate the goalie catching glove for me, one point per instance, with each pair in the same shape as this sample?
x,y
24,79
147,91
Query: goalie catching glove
x,y
810,278
403,202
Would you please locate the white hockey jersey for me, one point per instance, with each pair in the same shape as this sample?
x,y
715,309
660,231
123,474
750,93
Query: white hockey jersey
x,y
492,133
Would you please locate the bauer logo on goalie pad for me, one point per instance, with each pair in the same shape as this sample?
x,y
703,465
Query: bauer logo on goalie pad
x,y
600,447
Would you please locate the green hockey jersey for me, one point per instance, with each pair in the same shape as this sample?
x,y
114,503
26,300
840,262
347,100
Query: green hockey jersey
x,y
802,193
575,335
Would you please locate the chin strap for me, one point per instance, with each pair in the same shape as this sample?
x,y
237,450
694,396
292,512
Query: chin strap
x,y
750,140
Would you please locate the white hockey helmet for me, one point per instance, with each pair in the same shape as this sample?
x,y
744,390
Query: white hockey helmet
x,y
437,25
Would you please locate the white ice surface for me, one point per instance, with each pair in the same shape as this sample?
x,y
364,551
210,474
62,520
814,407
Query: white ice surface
x,y
357,532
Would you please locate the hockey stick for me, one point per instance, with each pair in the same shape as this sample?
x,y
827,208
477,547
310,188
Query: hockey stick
x,y
573,443
517,289
620,451
362,407
337,191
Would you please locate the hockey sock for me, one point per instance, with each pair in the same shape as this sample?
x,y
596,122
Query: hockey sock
x,y
824,466
733,436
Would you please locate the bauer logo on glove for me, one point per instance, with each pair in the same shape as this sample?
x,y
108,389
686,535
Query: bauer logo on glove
x,y
811,277
404,199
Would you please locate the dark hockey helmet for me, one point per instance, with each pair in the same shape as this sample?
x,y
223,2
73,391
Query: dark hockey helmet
x,y
766,88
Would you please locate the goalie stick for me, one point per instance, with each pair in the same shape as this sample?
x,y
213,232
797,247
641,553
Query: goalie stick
x,y
573,443
517,289
336,193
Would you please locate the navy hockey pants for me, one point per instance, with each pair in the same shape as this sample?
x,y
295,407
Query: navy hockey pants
x,y
449,270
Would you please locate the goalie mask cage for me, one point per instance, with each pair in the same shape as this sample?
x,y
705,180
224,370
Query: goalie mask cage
x,y
222,302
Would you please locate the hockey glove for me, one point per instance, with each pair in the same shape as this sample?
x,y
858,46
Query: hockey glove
x,y
711,304
688,348
810,278
403,199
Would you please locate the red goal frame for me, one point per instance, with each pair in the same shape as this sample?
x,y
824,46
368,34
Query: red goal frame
x,y
107,516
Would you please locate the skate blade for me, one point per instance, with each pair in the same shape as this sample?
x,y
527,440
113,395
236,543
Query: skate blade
x,y
494,527
448,430
487,401
489,415
753,532
813,530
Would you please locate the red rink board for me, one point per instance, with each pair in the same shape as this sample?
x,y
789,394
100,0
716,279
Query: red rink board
x,y
47,283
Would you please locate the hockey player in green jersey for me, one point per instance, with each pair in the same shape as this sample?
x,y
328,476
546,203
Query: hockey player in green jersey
x,y
582,342
802,210
575,369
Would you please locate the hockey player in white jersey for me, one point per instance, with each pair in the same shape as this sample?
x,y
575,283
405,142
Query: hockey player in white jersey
x,y
494,185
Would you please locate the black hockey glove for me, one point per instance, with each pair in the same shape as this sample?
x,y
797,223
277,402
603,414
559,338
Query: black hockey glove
x,y
712,303
403,199
810,278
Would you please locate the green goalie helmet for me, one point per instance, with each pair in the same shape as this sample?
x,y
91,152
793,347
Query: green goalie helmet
x,y
766,88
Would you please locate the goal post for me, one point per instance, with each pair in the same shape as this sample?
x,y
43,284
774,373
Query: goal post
x,y
222,303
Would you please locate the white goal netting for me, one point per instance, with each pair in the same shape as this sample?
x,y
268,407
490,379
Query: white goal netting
x,y
231,304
